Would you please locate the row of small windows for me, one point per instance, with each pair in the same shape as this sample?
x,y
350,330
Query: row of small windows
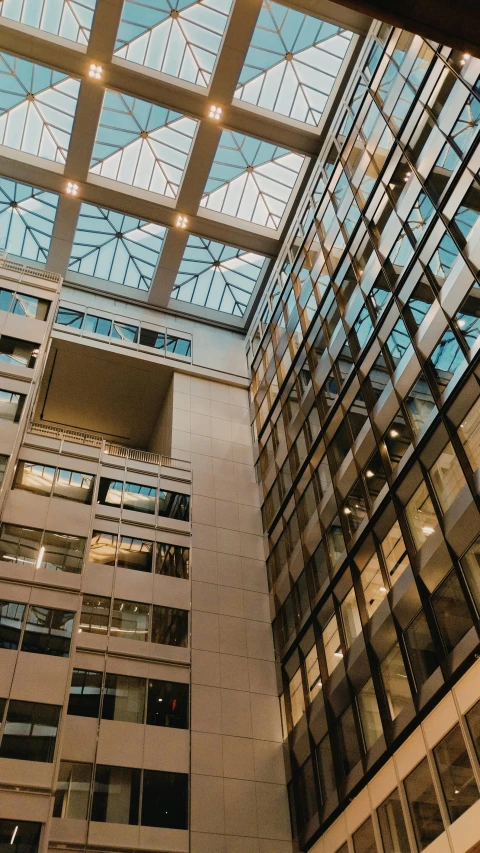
x,y
128,699
64,552
438,790
77,486
119,330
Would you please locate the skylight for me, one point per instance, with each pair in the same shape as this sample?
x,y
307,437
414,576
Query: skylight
x,y
177,37
292,63
116,247
70,19
217,276
251,179
37,106
27,216
141,144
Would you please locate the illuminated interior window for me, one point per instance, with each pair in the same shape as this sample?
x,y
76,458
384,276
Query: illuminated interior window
x,y
251,179
292,63
217,276
116,247
142,144
27,215
70,19
177,37
37,106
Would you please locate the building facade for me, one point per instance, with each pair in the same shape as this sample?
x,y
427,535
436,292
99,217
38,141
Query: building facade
x,y
239,560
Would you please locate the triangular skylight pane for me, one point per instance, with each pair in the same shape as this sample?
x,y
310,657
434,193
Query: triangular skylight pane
x,y
27,215
176,37
217,276
37,106
292,63
116,247
251,179
142,144
70,19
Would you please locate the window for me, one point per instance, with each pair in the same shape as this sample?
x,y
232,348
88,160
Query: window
x,y
11,406
165,799
421,515
423,805
69,317
364,838
167,704
420,648
85,692
331,642
152,338
95,614
392,824
34,478
73,485
373,585
11,620
395,553
172,560
447,477
307,792
30,306
62,552
30,731
73,791
352,626
19,836
47,631
419,404
170,626
456,774
3,466
139,498
130,620
451,611
17,352
179,346
174,505
326,771
395,682
98,325
314,683
135,554
469,432
369,714
124,698
297,700
471,570
103,548
473,722
348,741
110,492
116,795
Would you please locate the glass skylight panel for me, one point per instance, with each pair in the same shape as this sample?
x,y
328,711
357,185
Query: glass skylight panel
x,y
27,215
217,276
116,247
251,179
292,63
141,144
70,19
37,106
177,37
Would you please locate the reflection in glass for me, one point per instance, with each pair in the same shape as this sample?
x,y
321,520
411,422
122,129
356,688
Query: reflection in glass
x,y
364,838
395,682
421,515
451,611
130,620
456,774
421,650
73,790
392,825
123,698
369,714
423,804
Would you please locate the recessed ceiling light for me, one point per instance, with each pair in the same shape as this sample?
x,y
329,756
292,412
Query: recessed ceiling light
x,y
95,71
215,112
382,589
72,189
182,221
347,511
369,474
427,530
338,654
393,433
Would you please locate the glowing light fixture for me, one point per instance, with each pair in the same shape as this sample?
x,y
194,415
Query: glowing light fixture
x,y
40,557
393,433
369,474
182,221
95,71
427,530
215,112
16,830
72,189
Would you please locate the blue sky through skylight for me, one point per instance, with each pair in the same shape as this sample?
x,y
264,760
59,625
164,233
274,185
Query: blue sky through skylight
x,y
70,19
292,63
251,179
37,106
217,276
177,37
142,144
27,216
116,247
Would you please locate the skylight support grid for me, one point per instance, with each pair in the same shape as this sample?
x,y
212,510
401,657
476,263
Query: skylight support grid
x,y
70,19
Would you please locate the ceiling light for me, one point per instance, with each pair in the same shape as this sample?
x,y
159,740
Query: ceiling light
x,y
16,830
382,589
40,557
347,511
466,56
456,791
369,474
393,433
72,189
182,221
461,323
95,71
215,112
338,654
427,530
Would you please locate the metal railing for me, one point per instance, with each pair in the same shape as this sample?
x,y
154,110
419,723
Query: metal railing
x,y
24,269
118,450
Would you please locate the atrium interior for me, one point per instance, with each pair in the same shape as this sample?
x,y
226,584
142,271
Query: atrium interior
x,y
239,427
